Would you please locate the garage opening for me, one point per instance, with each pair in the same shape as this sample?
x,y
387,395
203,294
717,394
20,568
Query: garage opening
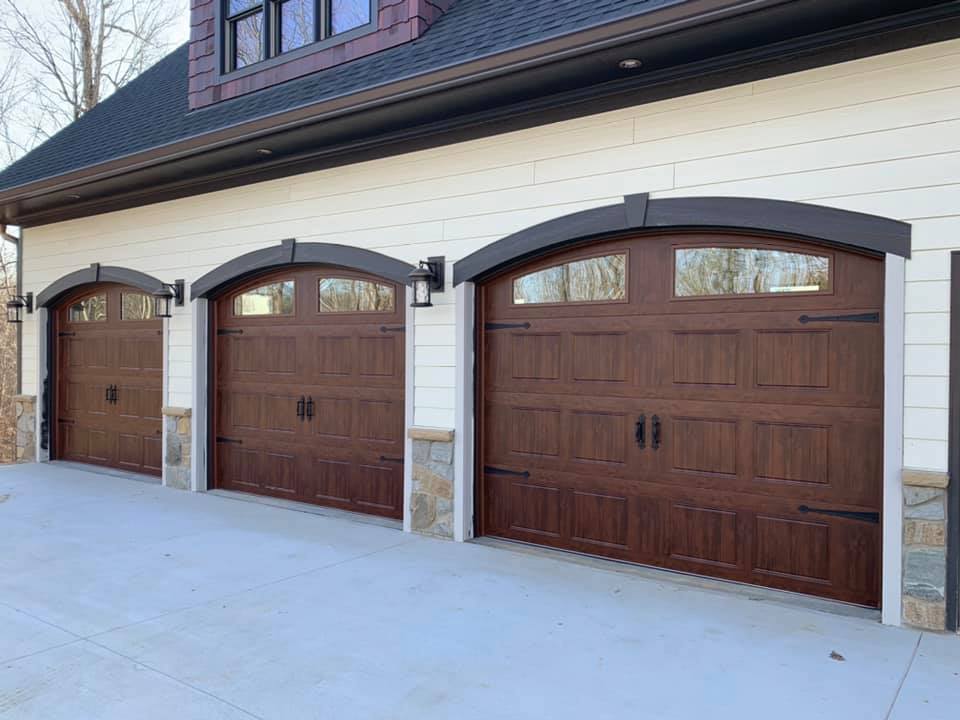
x,y
308,377
707,402
109,378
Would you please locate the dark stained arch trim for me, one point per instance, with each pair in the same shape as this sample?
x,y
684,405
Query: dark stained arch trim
x,y
641,212
98,273
290,252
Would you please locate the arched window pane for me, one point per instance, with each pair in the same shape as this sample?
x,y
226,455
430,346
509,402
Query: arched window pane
x,y
748,271
597,279
91,309
350,295
272,299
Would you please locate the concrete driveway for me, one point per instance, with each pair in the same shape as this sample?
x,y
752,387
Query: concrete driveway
x,y
121,599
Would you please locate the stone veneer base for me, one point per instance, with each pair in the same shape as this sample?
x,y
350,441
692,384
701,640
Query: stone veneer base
x,y
177,452
924,548
431,503
26,418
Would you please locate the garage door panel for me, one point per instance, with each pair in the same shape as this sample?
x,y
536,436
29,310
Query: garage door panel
x,y
599,519
314,390
109,382
377,489
796,549
766,465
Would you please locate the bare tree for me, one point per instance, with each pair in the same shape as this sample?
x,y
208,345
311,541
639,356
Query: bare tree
x,y
76,52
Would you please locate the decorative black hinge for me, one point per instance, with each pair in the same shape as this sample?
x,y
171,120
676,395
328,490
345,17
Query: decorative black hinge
x,y
858,318
66,334
385,329
227,331
384,458
232,441
490,470
871,517
506,326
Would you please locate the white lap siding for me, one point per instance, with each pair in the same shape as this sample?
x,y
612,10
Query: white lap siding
x,y
880,135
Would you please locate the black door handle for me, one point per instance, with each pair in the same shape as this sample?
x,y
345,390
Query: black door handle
x,y
301,403
641,432
655,444
309,408
107,397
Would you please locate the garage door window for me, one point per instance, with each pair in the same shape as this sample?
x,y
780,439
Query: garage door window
x,y
136,306
596,279
91,309
351,295
706,271
272,299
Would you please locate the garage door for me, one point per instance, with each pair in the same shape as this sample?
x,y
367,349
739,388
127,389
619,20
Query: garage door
x,y
109,379
705,403
309,368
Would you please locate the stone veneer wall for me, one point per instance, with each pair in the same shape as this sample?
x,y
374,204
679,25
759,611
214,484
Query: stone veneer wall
x,y
431,504
924,549
176,454
26,410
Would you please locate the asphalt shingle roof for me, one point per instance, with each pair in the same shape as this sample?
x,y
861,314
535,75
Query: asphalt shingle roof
x,y
151,111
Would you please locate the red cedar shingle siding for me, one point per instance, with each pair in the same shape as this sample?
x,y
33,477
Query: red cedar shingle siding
x,y
398,22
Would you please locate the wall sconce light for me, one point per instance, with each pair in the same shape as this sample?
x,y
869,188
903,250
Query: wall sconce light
x,y
16,306
427,279
164,300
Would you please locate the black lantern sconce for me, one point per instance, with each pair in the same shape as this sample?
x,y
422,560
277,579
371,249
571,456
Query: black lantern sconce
x,y
427,279
164,300
16,306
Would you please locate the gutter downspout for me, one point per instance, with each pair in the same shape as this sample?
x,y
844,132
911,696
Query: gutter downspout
x,y
18,290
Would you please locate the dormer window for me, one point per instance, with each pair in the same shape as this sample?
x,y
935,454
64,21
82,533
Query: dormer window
x,y
256,30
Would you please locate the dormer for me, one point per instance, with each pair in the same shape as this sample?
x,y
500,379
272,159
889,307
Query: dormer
x,y
240,46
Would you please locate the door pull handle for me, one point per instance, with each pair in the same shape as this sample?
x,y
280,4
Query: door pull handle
x,y
107,395
641,432
309,408
655,444
301,403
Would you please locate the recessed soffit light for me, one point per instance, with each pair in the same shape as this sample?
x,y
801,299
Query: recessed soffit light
x,y
630,64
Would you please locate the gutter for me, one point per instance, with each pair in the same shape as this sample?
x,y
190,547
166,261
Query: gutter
x,y
676,16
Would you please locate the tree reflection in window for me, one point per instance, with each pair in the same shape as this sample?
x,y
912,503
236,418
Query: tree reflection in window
x,y
136,306
597,279
91,309
350,295
748,271
272,299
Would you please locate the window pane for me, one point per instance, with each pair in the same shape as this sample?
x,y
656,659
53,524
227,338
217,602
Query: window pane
x,y
591,280
91,309
273,299
347,295
136,306
748,271
348,14
296,24
238,6
247,40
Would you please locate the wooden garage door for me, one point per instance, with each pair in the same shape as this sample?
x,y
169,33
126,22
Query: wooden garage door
x,y
109,379
309,368
706,403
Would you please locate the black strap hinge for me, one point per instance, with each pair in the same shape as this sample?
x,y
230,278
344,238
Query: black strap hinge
x,y
232,441
506,326
871,517
386,329
228,331
490,470
858,318
66,334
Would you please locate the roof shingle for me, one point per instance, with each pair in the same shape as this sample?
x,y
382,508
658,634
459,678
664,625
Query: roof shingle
x,y
151,111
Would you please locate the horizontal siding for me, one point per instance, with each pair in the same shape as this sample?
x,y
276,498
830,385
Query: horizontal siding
x,y
878,135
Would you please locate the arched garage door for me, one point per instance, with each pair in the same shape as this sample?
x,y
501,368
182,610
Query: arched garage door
x,y
109,378
709,403
309,379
